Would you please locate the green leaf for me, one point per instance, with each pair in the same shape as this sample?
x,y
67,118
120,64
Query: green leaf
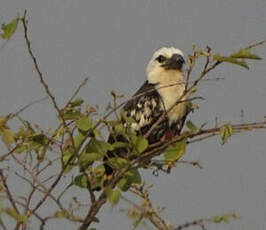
x,y
81,181
40,139
71,114
7,136
191,126
84,124
99,170
128,120
96,146
130,177
134,176
20,149
60,214
124,184
118,145
174,152
244,53
66,160
19,218
226,131
118,162
225,218
138,218
86,159
139,142
77,102
113,195
119,129
9,29
3,121
78,139
218,57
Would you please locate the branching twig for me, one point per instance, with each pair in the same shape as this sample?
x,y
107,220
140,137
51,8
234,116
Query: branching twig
x,y
43,83
255,45
7,191
83,83
151,214
157,148
202,222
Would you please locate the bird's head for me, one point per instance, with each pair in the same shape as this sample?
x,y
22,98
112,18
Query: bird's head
x,y
165,61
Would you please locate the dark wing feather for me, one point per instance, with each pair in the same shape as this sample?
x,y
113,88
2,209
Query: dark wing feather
x,y
145,108
145,104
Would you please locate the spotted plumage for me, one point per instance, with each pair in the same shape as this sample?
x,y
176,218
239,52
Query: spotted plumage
x,y
158,95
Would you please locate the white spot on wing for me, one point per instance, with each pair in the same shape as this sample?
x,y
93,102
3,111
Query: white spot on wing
x,y
132,113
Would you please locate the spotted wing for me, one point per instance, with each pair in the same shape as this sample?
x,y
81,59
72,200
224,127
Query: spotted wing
x,y
145,108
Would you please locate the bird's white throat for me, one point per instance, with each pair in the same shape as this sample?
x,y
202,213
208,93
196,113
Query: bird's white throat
x,y
170,85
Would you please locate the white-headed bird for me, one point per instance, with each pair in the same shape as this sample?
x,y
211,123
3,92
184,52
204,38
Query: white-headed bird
x,y
162,93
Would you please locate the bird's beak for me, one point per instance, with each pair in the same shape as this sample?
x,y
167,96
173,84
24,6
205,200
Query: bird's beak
x,y
175,62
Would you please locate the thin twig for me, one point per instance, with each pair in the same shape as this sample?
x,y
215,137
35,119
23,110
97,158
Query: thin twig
x,y
83,83
255,44
152,215
43,83
26,107
7,191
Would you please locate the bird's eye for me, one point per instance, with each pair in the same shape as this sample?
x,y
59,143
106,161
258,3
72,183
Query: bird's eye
x,y
161,58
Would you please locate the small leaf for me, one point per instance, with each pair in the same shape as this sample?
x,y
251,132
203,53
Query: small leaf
x,y
226,131
60,214
218,57
174,152
3,121
68,160
70,114
7,136
99,170
118,144
124,184
40,139
130,177
96,146
9,29
119,129
134,175
84,123
244,53
86,159
139,142
77,102
81,181
128,120
193,90
191,126
78,139
118,162
113,196
19,218
225,218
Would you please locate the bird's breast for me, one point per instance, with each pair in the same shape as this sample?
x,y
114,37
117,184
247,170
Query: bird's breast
x,y
170,96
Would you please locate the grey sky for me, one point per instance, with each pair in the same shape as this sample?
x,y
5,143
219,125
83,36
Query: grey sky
x,y
111,41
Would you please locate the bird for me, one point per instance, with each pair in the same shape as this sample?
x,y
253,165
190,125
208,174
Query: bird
x,y
158,95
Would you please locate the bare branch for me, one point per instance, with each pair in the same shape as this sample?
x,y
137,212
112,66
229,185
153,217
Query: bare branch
x,y
43,83
83,83
202,222
151,214
255,44
7,191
